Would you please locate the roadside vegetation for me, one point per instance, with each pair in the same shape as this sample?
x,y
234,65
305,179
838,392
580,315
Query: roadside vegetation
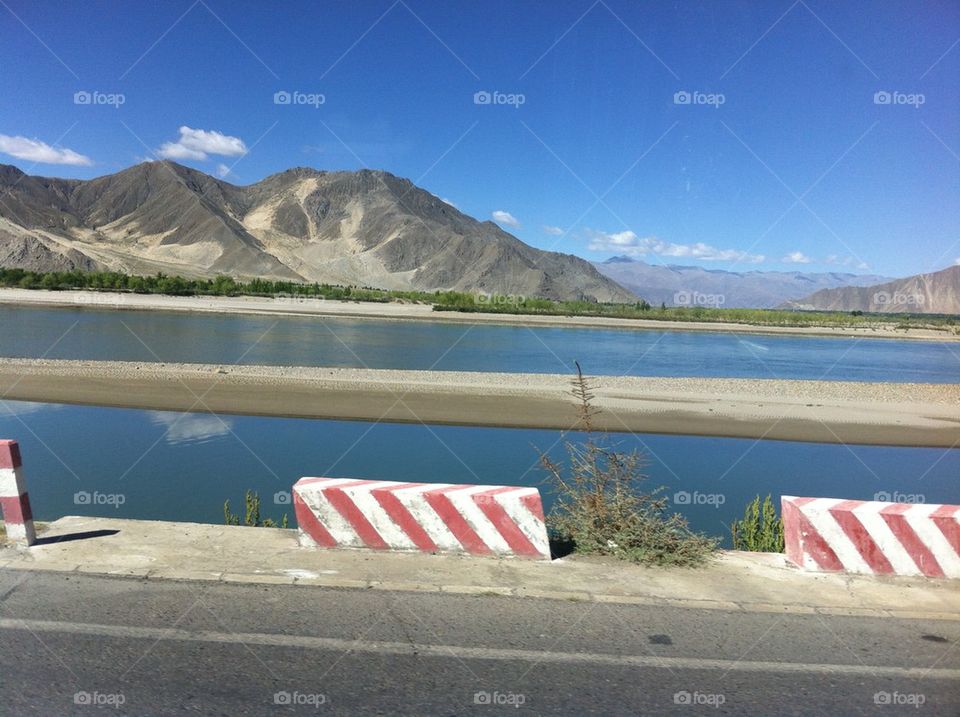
x,y
760,530
251,514
463,302
600,507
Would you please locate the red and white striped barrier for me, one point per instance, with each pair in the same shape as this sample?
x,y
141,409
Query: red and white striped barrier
x,y
14,502
426,517
857,536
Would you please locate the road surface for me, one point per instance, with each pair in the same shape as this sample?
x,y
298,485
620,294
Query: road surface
x,y
79,644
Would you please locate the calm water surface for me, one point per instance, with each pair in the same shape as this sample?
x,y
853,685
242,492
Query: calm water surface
x,y
84,333
170,466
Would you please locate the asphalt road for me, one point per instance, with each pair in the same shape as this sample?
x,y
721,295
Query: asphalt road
x,y
75,644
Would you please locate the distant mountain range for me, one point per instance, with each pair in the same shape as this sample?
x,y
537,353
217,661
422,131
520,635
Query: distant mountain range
x,y
934,293
366,228
696,286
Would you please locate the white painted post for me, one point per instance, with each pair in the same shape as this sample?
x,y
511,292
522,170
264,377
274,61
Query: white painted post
x,y
14,502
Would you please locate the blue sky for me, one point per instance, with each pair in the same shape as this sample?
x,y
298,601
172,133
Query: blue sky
x,y
729,135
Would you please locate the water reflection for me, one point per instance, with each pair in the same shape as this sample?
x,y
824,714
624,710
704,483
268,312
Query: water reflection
x,y
25,408
191,427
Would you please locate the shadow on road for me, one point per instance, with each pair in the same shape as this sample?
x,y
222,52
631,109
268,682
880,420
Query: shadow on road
x,y
49,539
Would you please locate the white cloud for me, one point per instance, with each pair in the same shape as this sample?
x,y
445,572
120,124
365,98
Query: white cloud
x,y
957,261
502,217
197,144
222,170
628,243
33,150
553,231
844,261
796,257
173,150
447,201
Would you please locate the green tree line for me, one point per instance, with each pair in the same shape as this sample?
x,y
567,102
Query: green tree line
x,y
456,300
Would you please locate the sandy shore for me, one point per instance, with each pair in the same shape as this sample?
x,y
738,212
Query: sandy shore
x,y
821,411
416,312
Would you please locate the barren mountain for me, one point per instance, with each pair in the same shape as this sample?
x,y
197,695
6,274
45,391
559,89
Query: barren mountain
x,y
694,285
935,293
366,228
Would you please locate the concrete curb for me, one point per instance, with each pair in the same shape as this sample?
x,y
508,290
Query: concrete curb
x,y
736,582
491,591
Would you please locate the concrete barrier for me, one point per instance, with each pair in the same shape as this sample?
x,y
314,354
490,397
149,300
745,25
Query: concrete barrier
x,y
870,537
425,517
14,502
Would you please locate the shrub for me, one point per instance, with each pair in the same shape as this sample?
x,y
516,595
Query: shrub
x,y
761,530
600,509
251,516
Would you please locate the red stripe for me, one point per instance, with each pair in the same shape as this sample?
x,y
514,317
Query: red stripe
x,y
921,555
310,525
533,504
9,454
947,518
871,553
401,516
813,544
791,530
348,509
455,522
16,509
800,502
505,525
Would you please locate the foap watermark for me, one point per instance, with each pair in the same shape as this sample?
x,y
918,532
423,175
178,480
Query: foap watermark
x,y
898,298
308,99
499,699
298,299
83,497
910,99
307,699
99,699
901,699
281,497
699,699
711,99
697,298
896,496
511,99
684,497
95,298
499,299
97,98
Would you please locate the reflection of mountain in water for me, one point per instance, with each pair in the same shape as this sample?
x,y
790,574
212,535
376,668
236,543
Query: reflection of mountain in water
x,y
190,428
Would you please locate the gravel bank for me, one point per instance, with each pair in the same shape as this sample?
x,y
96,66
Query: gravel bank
x,y
822,411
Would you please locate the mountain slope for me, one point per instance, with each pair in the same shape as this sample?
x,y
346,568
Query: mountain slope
x,y
366,228
934,293
690,285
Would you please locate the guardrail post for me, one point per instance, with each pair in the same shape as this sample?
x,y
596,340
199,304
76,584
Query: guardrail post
x,y
14,501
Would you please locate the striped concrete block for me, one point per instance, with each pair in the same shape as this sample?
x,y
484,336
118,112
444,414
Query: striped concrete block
x,y
426,517
14,502
857,536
